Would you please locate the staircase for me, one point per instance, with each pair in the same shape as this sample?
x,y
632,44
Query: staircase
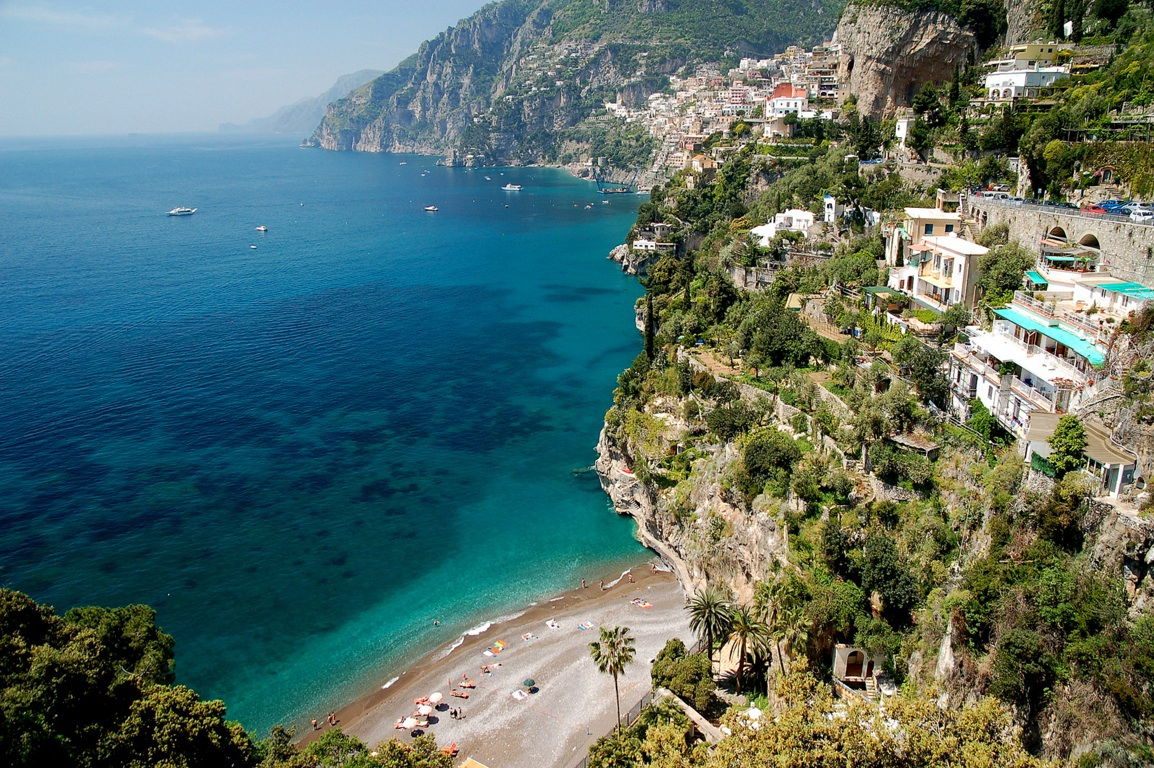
x,y
871,688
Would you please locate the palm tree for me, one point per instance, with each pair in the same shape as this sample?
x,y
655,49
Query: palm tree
x,y
794,631
612,652
709,617
747,630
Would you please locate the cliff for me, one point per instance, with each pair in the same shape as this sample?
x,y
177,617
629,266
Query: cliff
x,y
302,116
524,81
889,53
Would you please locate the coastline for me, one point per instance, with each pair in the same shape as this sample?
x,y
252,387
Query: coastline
x,y
573,705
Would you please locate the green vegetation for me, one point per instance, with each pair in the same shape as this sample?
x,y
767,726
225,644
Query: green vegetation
x,y
612,652
95,688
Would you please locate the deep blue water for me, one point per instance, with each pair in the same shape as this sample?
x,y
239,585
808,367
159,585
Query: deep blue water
x,y
301,454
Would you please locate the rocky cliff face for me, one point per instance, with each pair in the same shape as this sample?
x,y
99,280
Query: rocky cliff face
x,y
632,262
889,53
524,81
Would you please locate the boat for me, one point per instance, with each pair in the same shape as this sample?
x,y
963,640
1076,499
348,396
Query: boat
x,y
615,190
262,228
431,208
253,247
488,178
182,211
512,187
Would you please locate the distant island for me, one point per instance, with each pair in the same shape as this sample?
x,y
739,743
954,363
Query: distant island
x,y
301,117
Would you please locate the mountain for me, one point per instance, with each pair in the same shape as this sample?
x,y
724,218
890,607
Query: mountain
x,y
303,116
521,81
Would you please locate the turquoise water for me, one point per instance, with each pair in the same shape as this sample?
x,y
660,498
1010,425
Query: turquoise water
x,y
304,453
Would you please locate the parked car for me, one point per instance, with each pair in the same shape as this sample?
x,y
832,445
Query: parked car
x,y
1067,205
1145,217
1092,208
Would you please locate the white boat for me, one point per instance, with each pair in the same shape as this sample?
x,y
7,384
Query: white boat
x,y
182,211
512,187
431,208
488,178
262,228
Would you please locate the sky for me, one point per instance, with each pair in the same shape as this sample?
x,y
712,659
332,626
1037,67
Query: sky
x,y
144,66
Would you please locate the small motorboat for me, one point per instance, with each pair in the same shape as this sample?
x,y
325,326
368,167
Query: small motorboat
x,y
431,208
182,211
262,228
512,187
253,247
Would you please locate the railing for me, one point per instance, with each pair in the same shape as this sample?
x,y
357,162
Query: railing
x,y
1026,299
973,200
630,717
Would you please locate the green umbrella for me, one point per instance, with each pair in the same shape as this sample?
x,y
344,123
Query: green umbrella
x,y
529,682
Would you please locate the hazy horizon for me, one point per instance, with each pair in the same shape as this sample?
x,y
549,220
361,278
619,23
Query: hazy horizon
x,y
75,69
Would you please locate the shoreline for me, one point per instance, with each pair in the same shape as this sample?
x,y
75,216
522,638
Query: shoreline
x,y
502,730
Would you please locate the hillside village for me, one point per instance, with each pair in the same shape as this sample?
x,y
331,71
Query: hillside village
x,y
923,333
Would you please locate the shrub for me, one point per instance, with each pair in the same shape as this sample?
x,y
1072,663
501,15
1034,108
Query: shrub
x,y
687,676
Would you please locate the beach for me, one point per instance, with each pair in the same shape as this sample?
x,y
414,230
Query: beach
x,y
572,704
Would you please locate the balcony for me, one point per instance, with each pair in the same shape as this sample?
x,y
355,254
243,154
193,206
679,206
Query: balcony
x,y
1084,324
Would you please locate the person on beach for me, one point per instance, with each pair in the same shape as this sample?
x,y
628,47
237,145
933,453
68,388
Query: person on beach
x,y
332,718
315,726
631,577
583,584
603,585
653,567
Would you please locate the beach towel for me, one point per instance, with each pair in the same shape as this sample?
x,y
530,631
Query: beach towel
x,y
520,695
551,624
585,625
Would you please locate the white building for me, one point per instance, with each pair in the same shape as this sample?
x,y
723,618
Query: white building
x,y
1032,360
647,245
787,98
930,262
793,220
832,211
1013,84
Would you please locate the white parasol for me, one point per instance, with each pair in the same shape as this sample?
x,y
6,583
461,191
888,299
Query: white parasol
x,y
435,697
424,709
409,724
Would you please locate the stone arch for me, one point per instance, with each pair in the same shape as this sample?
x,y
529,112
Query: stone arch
x,y
854,663
1057,232
994,94
1090,240
1007,93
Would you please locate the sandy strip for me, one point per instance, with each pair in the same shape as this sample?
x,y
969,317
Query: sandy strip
x,y
554,727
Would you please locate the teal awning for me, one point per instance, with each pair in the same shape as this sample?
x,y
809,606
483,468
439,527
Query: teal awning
x,y
1036,278
1057,333
1048,257
1133,290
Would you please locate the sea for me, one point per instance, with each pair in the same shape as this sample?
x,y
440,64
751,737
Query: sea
x,y
303,447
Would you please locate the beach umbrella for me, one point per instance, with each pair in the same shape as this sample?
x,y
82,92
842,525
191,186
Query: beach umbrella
x,y
425,709
409,724
528,682
436,697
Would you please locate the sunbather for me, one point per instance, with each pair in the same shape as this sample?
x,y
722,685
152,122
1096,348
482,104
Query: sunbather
x,y
459,694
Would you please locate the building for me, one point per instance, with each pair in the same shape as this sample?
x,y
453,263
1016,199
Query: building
x,y
1007,85
930,262
1037,358
793,220
832,210
1032,55
1113,465
860,671
787,98
648,245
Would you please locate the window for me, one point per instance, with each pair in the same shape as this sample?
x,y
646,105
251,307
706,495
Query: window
x,y
929,230
949,228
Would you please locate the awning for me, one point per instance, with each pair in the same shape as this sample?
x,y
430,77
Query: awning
x,y
919,248
1036,278
1133,290
1048,257
880,290
1059,334
1098,445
